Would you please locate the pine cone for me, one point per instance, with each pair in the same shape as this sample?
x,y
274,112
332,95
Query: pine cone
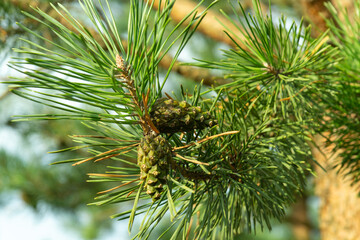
x,y
170,116
154,155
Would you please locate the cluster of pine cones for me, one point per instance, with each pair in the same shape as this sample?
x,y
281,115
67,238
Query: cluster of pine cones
x,y
170,116
154,151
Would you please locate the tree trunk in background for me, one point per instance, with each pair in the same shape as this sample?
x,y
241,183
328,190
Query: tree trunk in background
x,y
339,213
315,11
299,219
210,25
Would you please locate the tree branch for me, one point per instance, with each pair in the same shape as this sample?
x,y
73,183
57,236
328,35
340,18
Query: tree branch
x,y
196,74
211,25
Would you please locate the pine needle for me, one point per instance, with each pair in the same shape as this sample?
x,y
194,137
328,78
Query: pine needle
x,y
114,188
206,139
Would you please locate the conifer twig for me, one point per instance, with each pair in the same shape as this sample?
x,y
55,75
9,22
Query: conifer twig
x,y
190,72
125,74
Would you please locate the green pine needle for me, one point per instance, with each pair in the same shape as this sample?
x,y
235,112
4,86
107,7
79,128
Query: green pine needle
x,y
228,177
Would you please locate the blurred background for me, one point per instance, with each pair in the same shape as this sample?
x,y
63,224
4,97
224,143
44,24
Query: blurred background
x,y
43,202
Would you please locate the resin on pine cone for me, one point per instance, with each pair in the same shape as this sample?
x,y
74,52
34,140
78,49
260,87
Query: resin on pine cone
x,y
171,116
154,155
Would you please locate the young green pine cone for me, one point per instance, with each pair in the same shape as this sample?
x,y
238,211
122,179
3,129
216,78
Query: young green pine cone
x,y
154,155
170,116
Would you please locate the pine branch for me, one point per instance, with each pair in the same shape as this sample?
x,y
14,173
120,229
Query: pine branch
x,y
342,118
228,160
196,74
280,67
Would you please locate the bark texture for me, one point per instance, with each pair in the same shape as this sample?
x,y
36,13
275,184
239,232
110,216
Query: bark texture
x,y
299,220
315,11
339,201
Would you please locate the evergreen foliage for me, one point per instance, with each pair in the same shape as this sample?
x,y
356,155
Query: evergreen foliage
x,y
10,32
279,69
229,162
343,115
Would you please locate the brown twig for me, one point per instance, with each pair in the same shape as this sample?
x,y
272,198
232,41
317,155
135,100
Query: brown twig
x,y
147,116
125,75
189,230
6,93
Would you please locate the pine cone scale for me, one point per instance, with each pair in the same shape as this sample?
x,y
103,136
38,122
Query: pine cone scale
x,y
154,155
171,116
